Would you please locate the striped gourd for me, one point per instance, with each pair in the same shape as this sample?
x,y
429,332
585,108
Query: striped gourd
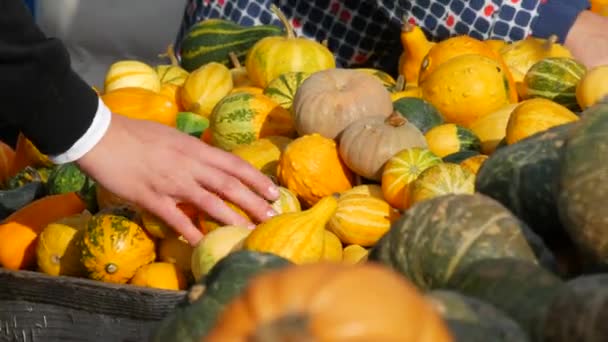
x,y
205,87
450,138
361,219
403,169
442,179
242,118
212,40
387,80
555,79
131,73
283,88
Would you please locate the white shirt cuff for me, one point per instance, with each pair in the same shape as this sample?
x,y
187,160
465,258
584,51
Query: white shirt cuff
x,y
98,128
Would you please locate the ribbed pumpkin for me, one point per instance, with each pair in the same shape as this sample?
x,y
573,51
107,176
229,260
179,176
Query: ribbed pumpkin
x,y
58,247
175,249
354,254
139,103
247,89
418,112
171,74
205,87
242,118
282,89
361,219
446,139
287,203
332,247
555,79
415,47
312,168
298,237
271,57
403,169
263,153
368,143
467,87
160,275
536,115
330,100
442,179
373,190
491,128
330,302
131,74
387,80
114,247
593,87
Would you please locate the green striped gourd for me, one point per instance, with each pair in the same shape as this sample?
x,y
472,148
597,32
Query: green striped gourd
x,y
442,179
450,138
418,112
211,40
436,238
387,80
555,79
283,88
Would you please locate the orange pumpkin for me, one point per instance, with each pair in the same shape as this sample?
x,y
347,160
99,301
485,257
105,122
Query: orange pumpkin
x,y
330,302
160,275
139,103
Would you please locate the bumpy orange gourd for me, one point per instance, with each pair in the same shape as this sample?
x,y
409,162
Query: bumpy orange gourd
x,y
361,219
311,167
143,104
19,231
415,48
299,236
114,247
330,302
160,275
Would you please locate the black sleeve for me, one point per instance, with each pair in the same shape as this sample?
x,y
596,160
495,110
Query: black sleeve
x,y
39,92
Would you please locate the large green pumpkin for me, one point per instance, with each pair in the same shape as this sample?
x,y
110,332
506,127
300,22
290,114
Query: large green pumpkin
x,y
66,178
521,289
473,320
583,189
555,79
212,40
580,311
436,238
418,112
191,321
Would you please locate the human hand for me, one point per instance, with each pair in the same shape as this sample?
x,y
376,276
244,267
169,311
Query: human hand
x,y
155,167
588,39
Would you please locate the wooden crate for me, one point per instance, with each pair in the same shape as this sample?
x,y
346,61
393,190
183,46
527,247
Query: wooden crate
x,y
37,307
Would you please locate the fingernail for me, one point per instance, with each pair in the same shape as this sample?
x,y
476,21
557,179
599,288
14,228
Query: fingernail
x,y
251,226
273,191
271,213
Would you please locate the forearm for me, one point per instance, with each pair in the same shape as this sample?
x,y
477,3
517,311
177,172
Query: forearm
x,y
40,93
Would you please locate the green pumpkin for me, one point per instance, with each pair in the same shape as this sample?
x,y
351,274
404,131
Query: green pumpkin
x,y
519,288
66,178
283,88
212,40
193,320
419,113
192,123
555,79
436,238
582,188
473,320
579,311
29,175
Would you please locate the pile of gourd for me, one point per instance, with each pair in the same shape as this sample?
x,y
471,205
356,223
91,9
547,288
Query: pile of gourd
x,y
477,175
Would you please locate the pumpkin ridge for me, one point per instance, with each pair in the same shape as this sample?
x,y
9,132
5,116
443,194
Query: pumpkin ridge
x,y
359,221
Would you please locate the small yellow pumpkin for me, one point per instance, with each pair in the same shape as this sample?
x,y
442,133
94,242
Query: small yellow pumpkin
x,y
205,87
131,74
264,153
273,56
176,250
299,237
332,250
593,87
536,115
354,254
160,275
492,128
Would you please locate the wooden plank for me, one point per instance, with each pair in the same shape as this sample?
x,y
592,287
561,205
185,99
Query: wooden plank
x,y
95,297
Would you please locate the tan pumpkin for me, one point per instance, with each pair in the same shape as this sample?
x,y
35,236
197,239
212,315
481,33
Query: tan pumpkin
x,y
332,249
330,302
330,100
311,167
287,203
131,74
160,275
205,87
536,115
361,219
368,143
263,153
299,237
354,254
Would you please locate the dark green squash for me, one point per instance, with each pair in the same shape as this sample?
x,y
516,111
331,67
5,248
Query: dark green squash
x,y
29,174
583,186
473,320
580,311
436,238
65,178
519,288
459,157
418,112
191,321
15,199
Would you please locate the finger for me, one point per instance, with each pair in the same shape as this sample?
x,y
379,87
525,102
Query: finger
x,y
231,189
242,170
168,211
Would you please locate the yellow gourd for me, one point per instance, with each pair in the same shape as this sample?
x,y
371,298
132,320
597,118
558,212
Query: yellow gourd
x,y
130,73
215,246
173,73
415,47
593,87
332,247
263,153
299,237
354,254
536,115
205,87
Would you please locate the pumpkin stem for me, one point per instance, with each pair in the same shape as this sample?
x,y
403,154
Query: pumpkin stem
x,y
277,11
291,328
234,59
400,85
395,119
170,54
196,291
549,42
407,26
